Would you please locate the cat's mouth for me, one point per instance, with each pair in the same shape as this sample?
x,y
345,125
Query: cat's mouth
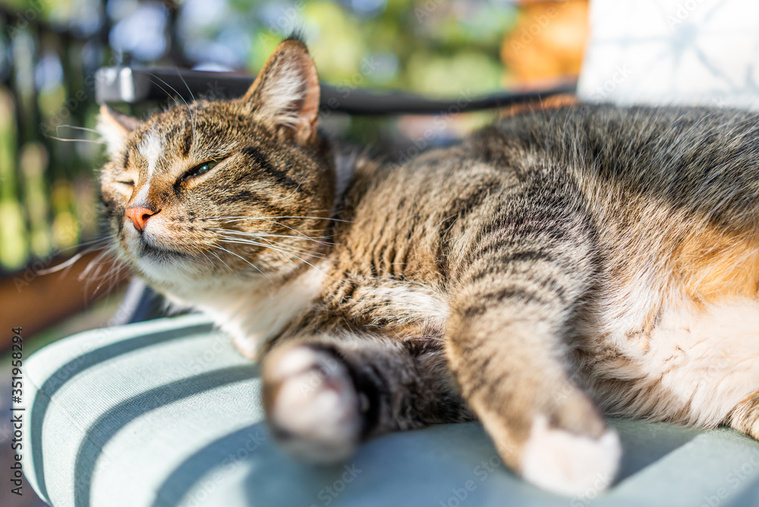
x,y
155,252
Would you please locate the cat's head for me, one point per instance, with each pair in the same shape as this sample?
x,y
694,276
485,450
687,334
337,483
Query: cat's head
x,y
222,191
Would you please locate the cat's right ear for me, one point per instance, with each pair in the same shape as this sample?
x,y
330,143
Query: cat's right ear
x,y
286,92
114,128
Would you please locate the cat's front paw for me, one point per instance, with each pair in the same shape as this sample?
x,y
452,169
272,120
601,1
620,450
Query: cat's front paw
x,y
311,404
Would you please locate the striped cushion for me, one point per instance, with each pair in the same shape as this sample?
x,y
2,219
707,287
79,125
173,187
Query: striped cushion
x,y
167,413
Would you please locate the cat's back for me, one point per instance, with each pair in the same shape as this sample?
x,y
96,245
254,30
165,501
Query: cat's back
x,y
695,159
700,159
603,133
635,145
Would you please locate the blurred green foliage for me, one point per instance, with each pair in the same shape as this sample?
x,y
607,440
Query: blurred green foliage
x,y
431,46
50,49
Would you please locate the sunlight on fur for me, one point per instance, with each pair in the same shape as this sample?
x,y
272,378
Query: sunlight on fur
x,y
567,262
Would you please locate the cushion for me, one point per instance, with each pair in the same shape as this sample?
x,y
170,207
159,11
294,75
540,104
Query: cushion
x,y
167,413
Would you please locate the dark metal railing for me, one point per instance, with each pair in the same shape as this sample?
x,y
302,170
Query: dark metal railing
x,y
132,86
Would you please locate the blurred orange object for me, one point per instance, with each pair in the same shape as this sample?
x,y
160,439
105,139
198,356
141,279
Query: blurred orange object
x,y
547,43
552,102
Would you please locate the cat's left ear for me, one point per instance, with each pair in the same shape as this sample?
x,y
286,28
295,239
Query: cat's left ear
x,y
114,127
286,92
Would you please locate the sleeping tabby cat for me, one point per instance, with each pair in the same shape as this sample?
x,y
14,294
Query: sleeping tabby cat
x,y
556,266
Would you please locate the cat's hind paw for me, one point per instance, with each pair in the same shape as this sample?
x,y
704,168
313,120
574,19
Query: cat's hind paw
x,y
311,404
745,417
568,463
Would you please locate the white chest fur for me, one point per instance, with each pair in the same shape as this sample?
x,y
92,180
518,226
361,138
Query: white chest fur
x,y
252,316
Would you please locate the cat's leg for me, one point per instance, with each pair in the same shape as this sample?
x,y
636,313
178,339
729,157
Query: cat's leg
x,y
745,417
325,395
521,288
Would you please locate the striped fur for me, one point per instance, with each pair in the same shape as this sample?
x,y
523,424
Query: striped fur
x,y
560,264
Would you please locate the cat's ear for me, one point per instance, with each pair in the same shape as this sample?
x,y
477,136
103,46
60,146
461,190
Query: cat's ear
x,y
114,127
286,91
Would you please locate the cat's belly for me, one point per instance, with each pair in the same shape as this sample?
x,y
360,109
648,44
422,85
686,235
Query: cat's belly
x,y
695,365
677,330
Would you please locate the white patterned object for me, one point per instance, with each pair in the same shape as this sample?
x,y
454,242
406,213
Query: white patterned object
x,y
694,52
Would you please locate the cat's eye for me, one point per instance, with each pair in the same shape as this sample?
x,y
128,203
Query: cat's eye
x,y
198,170
128,183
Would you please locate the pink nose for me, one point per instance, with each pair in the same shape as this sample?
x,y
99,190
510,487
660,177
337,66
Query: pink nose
x,y
139,216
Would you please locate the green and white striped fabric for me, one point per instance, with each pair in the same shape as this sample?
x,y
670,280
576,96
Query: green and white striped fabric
x,y
167,413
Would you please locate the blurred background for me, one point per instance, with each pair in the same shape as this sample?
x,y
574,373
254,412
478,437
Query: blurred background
x,y
50,51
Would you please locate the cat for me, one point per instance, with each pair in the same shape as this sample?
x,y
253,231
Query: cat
x,y
556,266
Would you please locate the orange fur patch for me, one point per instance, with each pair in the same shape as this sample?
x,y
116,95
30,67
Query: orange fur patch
x,y
713,265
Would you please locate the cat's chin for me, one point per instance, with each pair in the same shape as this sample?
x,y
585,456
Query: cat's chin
x,y
186,277
158,253
165,268
166,271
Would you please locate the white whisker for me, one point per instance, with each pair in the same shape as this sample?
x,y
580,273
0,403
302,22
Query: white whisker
x,y
243,259
252,241
240,218
306,262
269,235
76,140
96,244
74,127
